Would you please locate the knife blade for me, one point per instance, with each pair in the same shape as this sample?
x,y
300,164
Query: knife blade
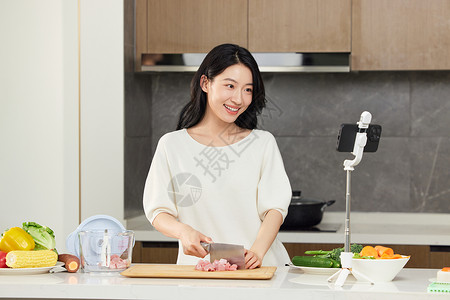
x,y
234,254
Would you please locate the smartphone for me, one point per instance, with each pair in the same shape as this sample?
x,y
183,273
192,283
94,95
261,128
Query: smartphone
x,y
347,136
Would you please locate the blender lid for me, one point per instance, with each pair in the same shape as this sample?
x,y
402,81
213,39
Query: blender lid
x,y
97,222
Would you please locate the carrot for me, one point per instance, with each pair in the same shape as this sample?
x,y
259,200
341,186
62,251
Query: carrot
x,y
369,251
71,262
395,256
387,252
446,269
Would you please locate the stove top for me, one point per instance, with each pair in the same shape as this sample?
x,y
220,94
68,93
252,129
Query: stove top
x,y
322,227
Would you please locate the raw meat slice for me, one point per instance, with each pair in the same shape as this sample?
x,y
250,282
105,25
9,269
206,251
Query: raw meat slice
x,y
217,265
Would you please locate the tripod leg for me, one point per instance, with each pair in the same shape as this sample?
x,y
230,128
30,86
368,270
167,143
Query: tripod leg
x,y
342,277
334,275
363,276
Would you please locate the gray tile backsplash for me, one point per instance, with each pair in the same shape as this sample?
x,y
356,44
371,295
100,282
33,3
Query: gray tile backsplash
x,y
138,155
409,173
138,105
430,105
316,104
430,160
172,92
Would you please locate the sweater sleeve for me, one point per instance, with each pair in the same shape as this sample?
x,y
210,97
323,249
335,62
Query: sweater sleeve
x,y
157,198
274,189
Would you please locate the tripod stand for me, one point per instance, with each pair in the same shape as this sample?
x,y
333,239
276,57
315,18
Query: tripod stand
x,y
358,149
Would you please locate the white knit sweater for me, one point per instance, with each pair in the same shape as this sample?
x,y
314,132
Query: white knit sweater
x,y
223,192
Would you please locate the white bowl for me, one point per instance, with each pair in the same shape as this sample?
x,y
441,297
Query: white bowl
x,y
377,270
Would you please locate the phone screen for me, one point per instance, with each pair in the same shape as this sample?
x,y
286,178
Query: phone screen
x,y
347,136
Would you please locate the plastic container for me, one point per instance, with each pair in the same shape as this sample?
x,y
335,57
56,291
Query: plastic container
x,y
105,250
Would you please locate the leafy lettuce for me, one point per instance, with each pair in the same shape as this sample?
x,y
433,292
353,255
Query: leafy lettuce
x,y
44,237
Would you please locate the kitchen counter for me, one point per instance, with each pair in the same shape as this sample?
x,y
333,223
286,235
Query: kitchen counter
x,y
287,283
380,228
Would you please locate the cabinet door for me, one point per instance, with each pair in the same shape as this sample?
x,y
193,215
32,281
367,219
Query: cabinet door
x,y
299,25
400,35
439,257
189,26
157,252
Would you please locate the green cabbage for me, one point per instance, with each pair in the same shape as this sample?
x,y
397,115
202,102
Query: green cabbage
x,y
43,236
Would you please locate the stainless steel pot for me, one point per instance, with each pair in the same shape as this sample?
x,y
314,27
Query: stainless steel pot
x,y
304,213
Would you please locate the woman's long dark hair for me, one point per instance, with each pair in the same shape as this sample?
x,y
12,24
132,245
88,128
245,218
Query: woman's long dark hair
x,y
215,62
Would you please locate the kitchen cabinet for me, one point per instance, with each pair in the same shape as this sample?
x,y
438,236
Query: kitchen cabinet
x,y
155,252
196,26
189,26
400,35
299,25
439,256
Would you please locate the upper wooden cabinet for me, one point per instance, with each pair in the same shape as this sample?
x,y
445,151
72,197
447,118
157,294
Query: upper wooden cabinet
x,y
190,26
299,25
400,35
196,26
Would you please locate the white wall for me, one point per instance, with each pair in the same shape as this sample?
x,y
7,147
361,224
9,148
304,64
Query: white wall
x,y
38,115
102,108
39,125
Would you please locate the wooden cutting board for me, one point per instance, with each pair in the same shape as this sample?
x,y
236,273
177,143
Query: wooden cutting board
x,y
184,271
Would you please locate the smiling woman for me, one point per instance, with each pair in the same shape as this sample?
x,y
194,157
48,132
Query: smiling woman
x,y
229,94
214,64
234,171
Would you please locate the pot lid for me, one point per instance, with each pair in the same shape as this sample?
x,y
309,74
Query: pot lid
x,y
306,202
97,222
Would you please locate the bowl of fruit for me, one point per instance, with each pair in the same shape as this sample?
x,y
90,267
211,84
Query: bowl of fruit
x,y
377,264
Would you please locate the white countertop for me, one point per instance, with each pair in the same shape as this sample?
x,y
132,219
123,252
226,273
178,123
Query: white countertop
x,y
381,228
287,283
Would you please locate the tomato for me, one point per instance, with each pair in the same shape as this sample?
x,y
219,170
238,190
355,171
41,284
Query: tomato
x,y
3,260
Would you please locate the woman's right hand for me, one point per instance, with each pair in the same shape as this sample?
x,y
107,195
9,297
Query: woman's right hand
x,y
191,239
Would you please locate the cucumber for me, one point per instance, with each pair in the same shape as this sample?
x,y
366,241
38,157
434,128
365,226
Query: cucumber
x,y
317,252
336,264
311,261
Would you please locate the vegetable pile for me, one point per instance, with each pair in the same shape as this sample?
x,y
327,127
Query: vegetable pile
x,y
31,236
377,252
31,246
331,259
324,259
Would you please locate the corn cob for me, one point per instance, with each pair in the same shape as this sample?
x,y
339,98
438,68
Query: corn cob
x,y
31,259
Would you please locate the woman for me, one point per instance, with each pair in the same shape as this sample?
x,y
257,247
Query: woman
x,y
217,178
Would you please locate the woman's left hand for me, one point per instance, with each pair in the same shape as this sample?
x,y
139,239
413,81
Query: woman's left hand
x,y
252,260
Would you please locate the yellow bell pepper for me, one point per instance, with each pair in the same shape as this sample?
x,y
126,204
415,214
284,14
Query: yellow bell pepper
x,y
16,239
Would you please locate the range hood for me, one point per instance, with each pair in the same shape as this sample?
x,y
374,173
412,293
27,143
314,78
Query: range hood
x,y
268,62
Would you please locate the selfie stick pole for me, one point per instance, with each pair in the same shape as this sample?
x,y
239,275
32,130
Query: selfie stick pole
x,y
358,149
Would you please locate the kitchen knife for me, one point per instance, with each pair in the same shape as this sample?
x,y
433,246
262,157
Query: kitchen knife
x,y
234,254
